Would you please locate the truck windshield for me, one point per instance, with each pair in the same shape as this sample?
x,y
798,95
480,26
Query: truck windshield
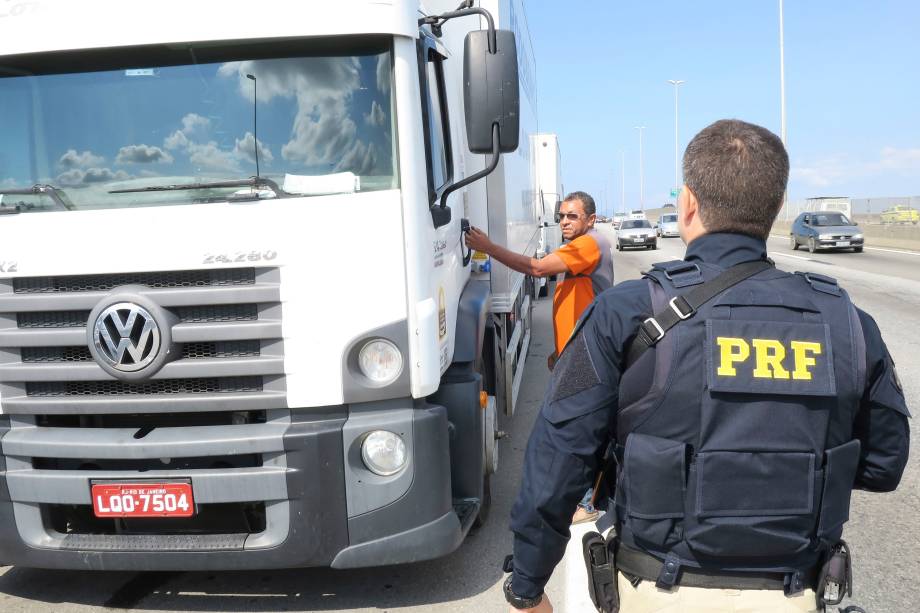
x,y
159,126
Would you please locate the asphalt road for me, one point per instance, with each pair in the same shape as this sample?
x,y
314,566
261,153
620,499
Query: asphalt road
x,y
882,531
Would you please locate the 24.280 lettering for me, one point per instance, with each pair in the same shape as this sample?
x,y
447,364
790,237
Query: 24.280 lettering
x,y
240,257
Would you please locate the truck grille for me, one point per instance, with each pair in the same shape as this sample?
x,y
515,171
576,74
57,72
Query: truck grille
x,y
216,414
227,333
104,283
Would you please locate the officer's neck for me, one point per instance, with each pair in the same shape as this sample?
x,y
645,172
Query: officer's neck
x,y
726,248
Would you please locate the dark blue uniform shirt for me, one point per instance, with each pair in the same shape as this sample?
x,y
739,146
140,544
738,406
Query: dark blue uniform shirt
x,y
568,440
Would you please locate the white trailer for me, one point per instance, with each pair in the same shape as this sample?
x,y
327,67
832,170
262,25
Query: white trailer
x,y
548,163
238,326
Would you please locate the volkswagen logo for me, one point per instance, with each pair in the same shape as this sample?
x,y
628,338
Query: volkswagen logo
x,y
126,337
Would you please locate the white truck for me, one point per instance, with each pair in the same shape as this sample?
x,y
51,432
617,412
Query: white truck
x,y
238,325
547,159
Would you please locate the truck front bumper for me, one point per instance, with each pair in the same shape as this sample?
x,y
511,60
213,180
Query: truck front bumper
x,y
321,506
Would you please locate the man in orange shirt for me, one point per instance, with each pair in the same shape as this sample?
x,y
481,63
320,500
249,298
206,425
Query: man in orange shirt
x,y
588,266
585,259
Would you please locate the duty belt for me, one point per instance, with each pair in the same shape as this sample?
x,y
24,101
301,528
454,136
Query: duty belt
x,y
645,566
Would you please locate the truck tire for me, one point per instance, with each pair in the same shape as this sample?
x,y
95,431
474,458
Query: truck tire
x,y
857,249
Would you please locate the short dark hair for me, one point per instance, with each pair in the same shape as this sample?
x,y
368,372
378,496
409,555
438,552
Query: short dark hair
x,y
738,173
587,202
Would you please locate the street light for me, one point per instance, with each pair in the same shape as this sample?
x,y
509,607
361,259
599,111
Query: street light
x,y
677,181
255,124
641,170
782,78
622,180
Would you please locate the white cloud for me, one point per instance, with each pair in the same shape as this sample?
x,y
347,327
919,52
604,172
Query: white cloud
x,y
209,156
194,121
376,117
361,159
9,183
322,133
383,73
176,140
85,159
245,150
142,154
76,177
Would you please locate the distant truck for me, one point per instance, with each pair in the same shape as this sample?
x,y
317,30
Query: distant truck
x,y
619,217
548,163
637,214
227,349
901,214
841,204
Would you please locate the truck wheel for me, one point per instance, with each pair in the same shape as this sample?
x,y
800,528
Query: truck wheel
x,y
486,504
811,244
793,243
857,249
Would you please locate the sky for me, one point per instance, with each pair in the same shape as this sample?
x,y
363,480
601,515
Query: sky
x,y
852,89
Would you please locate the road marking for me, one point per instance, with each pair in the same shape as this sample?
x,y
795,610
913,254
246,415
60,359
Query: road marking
x,y
788,255
786,237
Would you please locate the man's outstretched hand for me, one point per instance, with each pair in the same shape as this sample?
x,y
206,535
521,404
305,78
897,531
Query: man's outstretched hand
x,y
478,240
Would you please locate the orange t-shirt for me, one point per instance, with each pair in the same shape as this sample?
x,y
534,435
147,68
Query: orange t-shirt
x,y
573,295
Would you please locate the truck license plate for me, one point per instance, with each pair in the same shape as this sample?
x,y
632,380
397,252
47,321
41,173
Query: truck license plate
x,y
843,244
143,499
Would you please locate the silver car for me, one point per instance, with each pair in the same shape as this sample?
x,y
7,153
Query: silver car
x,y
636,233
667,226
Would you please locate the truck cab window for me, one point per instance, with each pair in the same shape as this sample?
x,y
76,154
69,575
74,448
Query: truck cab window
x,y
437,126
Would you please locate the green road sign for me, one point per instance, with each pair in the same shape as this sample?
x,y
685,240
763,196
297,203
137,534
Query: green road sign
x,y
675,192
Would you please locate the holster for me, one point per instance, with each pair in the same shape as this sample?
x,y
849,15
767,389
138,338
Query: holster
x,y
836,577
600,562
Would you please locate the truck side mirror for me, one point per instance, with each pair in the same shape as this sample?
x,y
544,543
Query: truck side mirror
x,y
491,96
556,212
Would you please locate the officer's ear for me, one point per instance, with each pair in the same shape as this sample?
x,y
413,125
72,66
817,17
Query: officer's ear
x,y
688,213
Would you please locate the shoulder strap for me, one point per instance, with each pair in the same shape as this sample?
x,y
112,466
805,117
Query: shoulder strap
x,y
684,306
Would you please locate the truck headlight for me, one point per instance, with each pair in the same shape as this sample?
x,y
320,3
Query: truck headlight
x,y
380,361
384,453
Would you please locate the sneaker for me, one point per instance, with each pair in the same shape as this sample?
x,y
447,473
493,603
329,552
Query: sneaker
x,y
583,515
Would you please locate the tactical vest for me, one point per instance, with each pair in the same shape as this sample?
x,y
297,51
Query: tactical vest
x,y
734,436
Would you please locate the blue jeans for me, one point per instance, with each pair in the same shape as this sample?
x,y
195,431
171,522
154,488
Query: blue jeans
x,y
586,501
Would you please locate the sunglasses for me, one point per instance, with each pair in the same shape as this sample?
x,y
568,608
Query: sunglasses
x,y
569,216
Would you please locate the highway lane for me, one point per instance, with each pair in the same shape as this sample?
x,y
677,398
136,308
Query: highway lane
x,y
882,529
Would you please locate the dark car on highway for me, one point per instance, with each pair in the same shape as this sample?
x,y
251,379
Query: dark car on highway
x,y
825,230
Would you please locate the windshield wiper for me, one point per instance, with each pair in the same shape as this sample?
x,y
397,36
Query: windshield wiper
x,y
251,182
56,195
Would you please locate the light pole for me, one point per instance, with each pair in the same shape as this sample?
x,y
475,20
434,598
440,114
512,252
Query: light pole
x,y
622,180
255,124
641,170
677,182
782,78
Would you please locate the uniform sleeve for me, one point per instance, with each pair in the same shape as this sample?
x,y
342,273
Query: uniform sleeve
x,y
581,255
881,424
571,433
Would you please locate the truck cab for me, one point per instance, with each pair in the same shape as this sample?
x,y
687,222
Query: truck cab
x,y
238,326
